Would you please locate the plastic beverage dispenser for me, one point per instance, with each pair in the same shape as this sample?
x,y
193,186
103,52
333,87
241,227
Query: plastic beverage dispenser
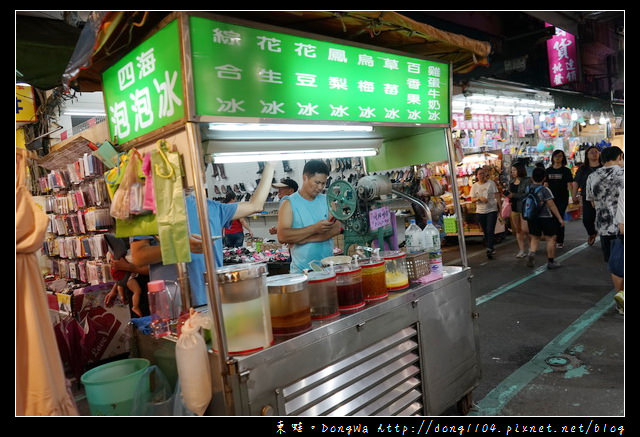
x,y
374,286
349,286
323,295
289,304
397,277
245,307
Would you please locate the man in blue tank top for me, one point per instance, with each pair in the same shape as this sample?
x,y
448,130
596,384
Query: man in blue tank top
x,y
303,219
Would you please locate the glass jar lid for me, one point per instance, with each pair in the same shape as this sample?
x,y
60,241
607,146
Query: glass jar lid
x,y
240,272
314,276
289,283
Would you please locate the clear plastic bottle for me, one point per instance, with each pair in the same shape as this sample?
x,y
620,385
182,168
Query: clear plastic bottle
x,y
431,237
159,307
414,238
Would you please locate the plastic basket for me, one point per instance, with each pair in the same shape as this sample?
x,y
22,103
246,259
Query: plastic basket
x,y
450,225
111,387
417,265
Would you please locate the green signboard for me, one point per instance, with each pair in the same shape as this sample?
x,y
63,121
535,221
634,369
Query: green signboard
x,y
143,91
240,71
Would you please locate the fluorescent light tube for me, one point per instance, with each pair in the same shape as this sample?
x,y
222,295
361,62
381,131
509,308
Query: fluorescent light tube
x,y
222,158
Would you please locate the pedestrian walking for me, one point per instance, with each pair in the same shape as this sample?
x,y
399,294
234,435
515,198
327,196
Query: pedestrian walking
x,y
616,260
591,164
547,221
603,190
518,187
485,194
560,182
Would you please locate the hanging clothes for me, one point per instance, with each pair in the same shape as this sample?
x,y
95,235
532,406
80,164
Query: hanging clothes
x,y
41,387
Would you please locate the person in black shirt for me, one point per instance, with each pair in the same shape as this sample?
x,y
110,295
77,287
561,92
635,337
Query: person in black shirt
x,y
560,182
591,164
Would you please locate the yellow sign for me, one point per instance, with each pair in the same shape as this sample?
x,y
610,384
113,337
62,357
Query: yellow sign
x,y
25,104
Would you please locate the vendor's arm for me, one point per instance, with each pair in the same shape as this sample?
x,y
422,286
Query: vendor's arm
x,y
124,265
335,229
144,254
288,234
259,196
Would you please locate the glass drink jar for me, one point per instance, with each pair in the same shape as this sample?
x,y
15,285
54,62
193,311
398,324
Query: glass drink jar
x,y
396,275
323,295
245,307
349,287
374,286
289,304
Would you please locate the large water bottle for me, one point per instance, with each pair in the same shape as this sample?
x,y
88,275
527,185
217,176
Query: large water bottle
x,y
431,237
414,238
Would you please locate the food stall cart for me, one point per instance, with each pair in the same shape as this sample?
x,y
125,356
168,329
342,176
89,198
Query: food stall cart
x,y
415,353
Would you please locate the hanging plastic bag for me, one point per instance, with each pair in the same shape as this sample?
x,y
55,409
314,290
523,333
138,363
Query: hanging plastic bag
x,y
153,394
171,210
120,204
149,198
192,361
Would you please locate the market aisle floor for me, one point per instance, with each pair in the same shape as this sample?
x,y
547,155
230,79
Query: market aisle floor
x,y
551,341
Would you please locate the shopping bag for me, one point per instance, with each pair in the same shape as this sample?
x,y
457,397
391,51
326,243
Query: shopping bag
x,y
171,210
505,212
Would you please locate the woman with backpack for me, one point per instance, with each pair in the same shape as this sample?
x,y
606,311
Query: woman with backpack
x,y
543,218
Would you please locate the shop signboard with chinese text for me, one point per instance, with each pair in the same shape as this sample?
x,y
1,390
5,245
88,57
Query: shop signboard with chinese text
x,y
143,90
240,71
563,61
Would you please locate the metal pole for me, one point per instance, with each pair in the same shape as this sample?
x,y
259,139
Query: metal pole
x,y
215,304
456,197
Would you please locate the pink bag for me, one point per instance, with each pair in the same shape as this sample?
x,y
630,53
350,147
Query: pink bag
x,y
506,208
149,197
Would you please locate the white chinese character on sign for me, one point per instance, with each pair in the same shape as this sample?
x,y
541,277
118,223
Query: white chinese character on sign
x,y
365,86
271,108
337,83
142,107
119,119
391,89
391,113
230,105
413,67
146,63
269,76
365,60
414,114
433,71
557,68
434,82
126,76
305,79
270,44
226,37
561,48
391,64
309,109
434,104
433,115
337,55
433,93
413,99
413,84
306,50
367,112
229,72
339,111
167,96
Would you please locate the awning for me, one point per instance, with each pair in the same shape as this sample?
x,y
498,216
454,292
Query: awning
x,y
113,34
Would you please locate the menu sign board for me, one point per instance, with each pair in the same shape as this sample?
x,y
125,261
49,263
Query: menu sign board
x,y
240,71
143,90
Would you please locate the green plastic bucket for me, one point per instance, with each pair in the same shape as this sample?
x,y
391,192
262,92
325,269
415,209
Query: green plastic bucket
x,y
110,388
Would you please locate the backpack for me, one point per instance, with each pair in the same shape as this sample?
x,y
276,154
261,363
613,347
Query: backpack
x,y
531,203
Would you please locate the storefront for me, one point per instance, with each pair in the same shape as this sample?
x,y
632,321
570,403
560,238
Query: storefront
x,y
216,97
